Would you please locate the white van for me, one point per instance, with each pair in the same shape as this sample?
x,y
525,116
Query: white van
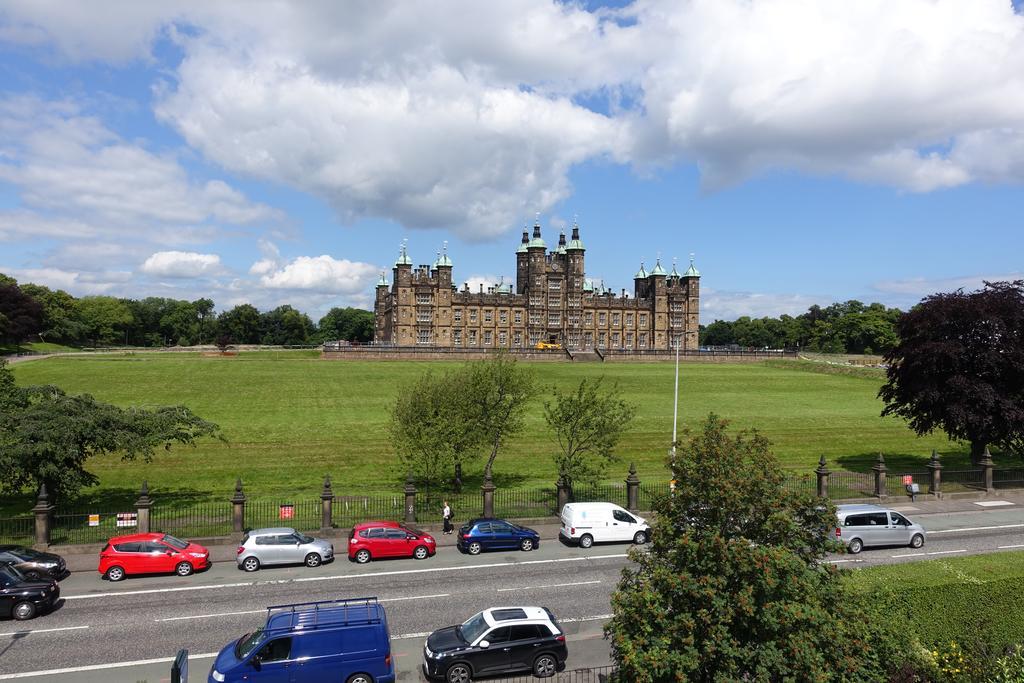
x,y
589,523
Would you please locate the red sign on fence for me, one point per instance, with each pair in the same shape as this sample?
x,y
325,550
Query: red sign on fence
x,y
286,512
908,479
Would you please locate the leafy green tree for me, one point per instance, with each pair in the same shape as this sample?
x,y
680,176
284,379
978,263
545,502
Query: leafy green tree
x,y
47,437
497,391
350,324
22,314
206,323
61,321
959,366
586,424
105,319
180,323
285,326
241,324
734,587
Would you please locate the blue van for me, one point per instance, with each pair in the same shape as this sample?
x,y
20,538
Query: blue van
x,y
332,640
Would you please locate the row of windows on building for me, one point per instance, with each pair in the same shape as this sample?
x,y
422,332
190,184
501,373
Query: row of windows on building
x,y
554,317
486,338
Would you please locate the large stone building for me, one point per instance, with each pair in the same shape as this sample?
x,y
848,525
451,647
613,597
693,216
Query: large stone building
x,y
552,302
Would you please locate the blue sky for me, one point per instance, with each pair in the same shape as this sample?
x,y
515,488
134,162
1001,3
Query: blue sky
x,y
272,153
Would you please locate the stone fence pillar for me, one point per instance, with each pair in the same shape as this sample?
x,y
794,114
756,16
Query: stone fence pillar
x,y
488,491
822,473
410,500
562,491
935,475
327,505
986,471
632,490
44,515
142,506
238,508
880,470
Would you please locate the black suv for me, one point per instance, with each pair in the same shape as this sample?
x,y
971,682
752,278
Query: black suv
x,y
24,599
496,641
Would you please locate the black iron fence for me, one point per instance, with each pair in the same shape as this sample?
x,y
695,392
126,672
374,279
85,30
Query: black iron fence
x,y
303,515
195,521
18,530
87,526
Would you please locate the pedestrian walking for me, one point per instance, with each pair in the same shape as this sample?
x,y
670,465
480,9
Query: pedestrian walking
x,y
446,515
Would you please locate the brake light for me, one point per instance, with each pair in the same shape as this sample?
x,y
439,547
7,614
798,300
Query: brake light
x,y
572,530
387,660
839,532
560,638
241,549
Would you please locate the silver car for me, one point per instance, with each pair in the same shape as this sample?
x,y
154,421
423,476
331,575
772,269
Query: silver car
x,y
861,526
282,546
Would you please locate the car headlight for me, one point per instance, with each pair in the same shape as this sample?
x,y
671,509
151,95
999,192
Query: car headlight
x,y
198,554
216,675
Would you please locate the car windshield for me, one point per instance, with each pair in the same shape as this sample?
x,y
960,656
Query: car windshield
x,y
473,628
176,542
11,575
305,539
248,643
25,553
412,530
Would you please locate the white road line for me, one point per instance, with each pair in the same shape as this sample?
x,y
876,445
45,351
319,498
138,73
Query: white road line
x,y
977,528
552,585
261,611
992,503
101,667
13,634
340,577
1004,547
947,552
842,561
909,555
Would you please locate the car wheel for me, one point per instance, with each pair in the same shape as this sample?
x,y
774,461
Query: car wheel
x,y
855,546
313,560
474,548
526,544
23,611
459,673
640,538
359,678
545,666
183,569
420,553
250,564
114,574
363,556
917,541
586,540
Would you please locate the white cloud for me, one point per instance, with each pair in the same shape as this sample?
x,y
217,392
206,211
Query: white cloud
x,y
75,282
918,288
322,274
726,305
181,264
475,281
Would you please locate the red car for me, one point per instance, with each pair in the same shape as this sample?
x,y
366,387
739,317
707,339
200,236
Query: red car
x,y
374,540
151,554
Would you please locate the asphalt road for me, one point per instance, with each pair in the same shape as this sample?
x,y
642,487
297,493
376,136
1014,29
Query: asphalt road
x,y
114,632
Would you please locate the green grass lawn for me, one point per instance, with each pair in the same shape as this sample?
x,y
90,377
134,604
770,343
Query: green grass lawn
x,y
292,418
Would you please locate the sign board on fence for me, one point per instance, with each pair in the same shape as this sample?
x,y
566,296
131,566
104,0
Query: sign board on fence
x,y
908,479
94,520
287,512
127,519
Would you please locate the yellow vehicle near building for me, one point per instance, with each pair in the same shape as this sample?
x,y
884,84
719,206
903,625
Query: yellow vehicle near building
x,y
543,346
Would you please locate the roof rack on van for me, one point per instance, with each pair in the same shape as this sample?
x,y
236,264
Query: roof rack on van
x,y
324,614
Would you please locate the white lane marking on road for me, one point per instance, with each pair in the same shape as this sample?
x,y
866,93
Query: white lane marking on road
x,y
1004,547
842,561
992,503
977,528
101,667
41,630
338,577
261,611
551,585
909,555
934,552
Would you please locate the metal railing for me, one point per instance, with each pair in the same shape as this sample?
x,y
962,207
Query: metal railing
x,y
17,530
302,515
86,526
197,521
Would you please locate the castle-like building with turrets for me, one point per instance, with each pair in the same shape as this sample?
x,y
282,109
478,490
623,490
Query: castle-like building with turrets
x,y
553,303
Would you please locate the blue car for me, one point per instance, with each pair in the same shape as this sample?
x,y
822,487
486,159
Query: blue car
x,y
346,641
495,534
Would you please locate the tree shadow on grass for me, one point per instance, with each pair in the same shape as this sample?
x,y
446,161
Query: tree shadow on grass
x,y
906,462
110,500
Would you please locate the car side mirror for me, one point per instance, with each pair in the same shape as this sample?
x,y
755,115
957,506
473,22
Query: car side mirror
x,y
484,644
256,664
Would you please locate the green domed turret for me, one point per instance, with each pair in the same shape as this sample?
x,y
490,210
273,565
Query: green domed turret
x,y
536,242
575,243
403,257
691,271
526,240
658,270
383,281
442,258
641,274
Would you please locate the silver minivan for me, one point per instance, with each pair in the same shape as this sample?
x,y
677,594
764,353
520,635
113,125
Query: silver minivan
x,y
282,545
861,526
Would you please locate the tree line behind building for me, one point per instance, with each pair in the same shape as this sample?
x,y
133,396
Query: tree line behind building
x,y
31,312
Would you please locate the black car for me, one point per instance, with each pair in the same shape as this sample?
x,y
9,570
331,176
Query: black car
x,y
485,533
24,599
497,641
32,563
